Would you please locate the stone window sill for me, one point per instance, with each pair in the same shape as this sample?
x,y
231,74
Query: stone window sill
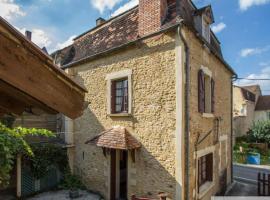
x,y
205,188
208,115
120,115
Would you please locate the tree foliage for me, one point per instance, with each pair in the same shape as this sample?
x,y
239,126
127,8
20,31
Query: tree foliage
x,y
260,132
12,142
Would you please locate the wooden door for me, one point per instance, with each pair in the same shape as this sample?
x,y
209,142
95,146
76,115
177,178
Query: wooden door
x,y
113,175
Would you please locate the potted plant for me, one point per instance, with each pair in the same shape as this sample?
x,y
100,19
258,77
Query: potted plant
x,y
253,158
73,184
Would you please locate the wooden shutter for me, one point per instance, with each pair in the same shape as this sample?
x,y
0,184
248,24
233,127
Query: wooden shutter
x,y
201,92
212,95
209,167
113,97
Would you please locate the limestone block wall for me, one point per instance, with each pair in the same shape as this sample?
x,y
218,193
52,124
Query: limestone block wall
x,y
152,121
200,56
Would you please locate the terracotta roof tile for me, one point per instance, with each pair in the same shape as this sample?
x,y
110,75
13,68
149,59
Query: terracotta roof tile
x,y
115,138
263,103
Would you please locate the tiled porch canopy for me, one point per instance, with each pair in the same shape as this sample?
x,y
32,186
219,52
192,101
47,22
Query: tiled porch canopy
x,y
115,138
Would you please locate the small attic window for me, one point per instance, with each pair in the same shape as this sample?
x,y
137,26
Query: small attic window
x,y
205,29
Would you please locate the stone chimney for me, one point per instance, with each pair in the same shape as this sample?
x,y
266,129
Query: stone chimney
x,y
151,15
100,21
28,35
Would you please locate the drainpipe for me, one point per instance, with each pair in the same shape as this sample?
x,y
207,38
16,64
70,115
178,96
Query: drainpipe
x,y
233,79
187,125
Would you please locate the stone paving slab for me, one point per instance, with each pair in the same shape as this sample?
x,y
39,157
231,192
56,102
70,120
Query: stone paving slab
x,y
242,189
64,195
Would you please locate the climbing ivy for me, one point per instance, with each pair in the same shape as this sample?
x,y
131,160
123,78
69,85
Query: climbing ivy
x,y
46,155
12,142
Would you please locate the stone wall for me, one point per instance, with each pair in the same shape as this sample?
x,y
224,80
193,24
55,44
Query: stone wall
x,y
200,125
152,121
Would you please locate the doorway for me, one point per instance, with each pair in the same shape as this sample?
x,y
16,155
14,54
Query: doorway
x,y
119,175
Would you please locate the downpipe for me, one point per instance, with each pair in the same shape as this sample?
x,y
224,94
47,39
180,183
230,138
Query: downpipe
x,y
187,108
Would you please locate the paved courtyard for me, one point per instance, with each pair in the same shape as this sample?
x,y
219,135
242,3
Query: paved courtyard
x,y
243,189
64,195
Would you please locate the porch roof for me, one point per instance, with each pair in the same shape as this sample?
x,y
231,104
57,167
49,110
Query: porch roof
x,y
115,138
29,80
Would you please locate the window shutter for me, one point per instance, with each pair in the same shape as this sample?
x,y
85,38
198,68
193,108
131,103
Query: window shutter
x,y
201,92
113,97
209,170
212,95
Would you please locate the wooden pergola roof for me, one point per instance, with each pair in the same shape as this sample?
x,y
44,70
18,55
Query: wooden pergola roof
x,y
29,80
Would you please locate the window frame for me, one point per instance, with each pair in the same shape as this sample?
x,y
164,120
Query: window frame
x,y
124,74
205,169
124,94
206,187
210,112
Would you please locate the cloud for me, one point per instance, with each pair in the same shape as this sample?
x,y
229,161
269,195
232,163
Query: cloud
x,y
66,43
246,4
101,5
39,37
219,27
125,7
253,51
9,9
263,74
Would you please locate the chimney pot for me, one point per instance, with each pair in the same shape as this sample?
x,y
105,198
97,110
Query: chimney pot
x,y
28,35
100,21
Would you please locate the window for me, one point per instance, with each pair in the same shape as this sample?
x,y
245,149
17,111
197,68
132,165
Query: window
x,y
244,110
206,89
119,96
205,169
119,93
205,30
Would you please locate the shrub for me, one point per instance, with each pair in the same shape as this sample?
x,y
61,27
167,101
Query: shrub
x,y
260,132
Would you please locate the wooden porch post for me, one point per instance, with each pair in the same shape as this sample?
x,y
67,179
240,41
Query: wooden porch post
x,y
19,175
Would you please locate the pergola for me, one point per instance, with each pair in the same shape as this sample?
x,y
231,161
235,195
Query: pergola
x,y
29,80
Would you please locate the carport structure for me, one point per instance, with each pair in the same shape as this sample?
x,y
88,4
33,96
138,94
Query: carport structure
x,y
29,80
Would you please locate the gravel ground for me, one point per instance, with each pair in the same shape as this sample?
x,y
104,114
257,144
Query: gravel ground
x,y
64,195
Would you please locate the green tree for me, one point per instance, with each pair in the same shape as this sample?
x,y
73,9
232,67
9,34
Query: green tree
x,y
260,132
12,142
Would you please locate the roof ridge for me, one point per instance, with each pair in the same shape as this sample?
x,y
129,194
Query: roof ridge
x,y
105,23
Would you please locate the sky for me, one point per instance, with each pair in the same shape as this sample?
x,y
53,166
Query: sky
x,y
242,26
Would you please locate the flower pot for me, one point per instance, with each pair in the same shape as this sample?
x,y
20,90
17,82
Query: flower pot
x,y
74,193
254,158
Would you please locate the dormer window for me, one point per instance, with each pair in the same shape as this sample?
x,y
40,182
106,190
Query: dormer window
x,y
203,18
205,30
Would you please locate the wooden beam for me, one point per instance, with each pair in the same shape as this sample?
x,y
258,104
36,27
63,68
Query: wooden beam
x,y
10,105
27,73
23,99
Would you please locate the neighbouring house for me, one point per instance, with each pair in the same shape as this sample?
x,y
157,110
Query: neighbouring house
x,y
31,83
262,110
249,106
245,99
159,117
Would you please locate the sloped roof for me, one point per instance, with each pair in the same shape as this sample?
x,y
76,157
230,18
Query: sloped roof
x,y
263,103
248,95
115,138
252,88
115,32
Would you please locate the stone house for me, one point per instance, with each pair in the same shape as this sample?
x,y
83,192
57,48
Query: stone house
x,y
262,110
159,117
249,106
245,99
